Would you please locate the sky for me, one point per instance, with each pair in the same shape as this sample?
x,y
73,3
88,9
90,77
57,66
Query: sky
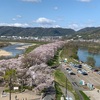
x,y
75,14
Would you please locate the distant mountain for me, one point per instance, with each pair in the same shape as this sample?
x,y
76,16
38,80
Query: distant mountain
x,y
87,29
38,31
89,33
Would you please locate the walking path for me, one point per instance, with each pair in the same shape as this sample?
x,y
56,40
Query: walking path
x,y
27,95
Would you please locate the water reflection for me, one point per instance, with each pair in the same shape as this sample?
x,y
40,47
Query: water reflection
x,y
83,54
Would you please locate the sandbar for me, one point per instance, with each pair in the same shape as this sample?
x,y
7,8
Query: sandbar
x,y
5,53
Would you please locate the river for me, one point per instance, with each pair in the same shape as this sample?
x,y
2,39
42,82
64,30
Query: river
x,y
16,48
83,54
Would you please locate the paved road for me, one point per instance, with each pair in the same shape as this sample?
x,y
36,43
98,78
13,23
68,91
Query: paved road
x,y
69,94
74,84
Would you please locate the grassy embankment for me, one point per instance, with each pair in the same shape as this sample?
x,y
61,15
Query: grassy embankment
x,y
92,47
30,48
4,44
84,96
25,41
69,51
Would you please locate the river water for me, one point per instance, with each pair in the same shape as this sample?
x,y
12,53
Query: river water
x,y
83,54
16,48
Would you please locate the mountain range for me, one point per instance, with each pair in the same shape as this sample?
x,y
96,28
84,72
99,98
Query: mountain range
x,y
85,33
37,31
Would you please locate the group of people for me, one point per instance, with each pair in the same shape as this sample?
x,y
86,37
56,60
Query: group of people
x,y
20,99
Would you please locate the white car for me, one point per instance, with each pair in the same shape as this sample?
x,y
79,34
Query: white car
x,y
98,72
70,71
80,71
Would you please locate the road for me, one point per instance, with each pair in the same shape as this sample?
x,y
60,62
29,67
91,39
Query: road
x,y
72,81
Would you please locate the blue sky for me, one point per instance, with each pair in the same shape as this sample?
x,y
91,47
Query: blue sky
x,y
75,14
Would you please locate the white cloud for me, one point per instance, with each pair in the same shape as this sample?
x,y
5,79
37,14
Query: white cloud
x,y
34,1
85,0
74,26
14,24
55,8
45,21
56,26
18,16
13,19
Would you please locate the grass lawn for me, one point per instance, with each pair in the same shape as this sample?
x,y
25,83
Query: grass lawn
x,y
84,96
58,91
30,48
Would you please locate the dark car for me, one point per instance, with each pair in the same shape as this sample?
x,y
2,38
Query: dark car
x,y
95,70
72,73
79,66
84,73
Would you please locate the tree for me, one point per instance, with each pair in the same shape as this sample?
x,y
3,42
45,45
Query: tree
x,y
9,77
91,61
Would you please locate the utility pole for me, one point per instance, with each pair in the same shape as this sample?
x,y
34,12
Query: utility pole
x,y
10,83
66,89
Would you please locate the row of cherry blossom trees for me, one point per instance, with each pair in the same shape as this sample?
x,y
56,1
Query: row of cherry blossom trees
x,y
32,67
41,54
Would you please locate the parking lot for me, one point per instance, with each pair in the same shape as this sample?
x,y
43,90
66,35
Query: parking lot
x,y
91,77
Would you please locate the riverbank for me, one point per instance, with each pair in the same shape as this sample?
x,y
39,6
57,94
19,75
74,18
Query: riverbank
x,y
5,53
25,47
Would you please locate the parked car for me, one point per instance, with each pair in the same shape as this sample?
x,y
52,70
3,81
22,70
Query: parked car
x,y
95,70
79,66
80,71
98,72
72,73
68,69
84,73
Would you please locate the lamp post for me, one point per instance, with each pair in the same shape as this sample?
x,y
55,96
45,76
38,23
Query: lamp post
x,y
10,83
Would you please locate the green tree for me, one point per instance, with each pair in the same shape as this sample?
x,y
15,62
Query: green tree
x,y
9,77
91,61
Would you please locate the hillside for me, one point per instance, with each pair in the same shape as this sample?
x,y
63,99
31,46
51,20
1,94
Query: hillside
x,y
89,33
38,31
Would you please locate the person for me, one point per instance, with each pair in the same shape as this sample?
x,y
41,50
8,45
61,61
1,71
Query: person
x,y
62,97
3,92
16,97
98,91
